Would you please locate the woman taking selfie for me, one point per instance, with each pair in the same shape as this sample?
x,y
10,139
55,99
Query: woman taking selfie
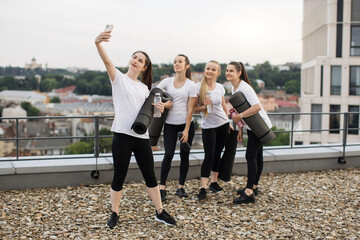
x,y
236,74
129,94
215,125
178,120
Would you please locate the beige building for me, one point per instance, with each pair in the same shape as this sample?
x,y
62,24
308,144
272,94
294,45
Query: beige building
x,y
330,71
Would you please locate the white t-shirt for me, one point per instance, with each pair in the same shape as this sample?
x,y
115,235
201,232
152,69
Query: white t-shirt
x,y
128,98
252,99
217,117
178,112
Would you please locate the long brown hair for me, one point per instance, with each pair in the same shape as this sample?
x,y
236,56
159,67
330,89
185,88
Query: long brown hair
x,y
204,87
241,68
147,75
187,61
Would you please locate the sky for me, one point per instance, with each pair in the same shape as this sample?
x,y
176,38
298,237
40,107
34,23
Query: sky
x,y
61,33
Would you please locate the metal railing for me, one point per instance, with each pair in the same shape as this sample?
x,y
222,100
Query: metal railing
x,y
96,136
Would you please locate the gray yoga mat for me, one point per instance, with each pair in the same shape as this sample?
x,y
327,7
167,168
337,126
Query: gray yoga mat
x,y
255,122
157,123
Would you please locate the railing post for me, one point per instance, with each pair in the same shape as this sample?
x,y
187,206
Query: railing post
x,y
17,138
95,174
96,140
342,159
292,131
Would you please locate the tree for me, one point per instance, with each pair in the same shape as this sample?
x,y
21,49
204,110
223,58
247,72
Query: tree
x,y
48,84
78,148
292,86
55,100
282,138
30,109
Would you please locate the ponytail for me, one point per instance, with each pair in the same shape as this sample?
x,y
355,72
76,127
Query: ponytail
x,y
188,71
147,75
241,68
204,87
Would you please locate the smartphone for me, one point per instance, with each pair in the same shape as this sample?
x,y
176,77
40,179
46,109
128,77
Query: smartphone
x,y
109,28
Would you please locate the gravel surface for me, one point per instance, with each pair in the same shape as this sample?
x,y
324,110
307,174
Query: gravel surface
x,y
312,205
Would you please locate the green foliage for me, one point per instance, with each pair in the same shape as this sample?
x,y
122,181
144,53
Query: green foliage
x,y
282,138
79,148
48,84
30,109
55,100
292,86
96,82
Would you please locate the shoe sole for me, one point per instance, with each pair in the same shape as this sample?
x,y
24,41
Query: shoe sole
x,y
244,202
163,221
110,227
181,196
214,190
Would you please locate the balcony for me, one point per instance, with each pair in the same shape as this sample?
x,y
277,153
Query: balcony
x,y
29,164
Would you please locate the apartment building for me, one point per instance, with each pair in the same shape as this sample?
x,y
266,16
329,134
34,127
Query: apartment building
x,y
330,71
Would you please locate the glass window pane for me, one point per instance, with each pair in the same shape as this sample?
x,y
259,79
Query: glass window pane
x,y
316,118
335,80
355,9
354,120
334,119
354,80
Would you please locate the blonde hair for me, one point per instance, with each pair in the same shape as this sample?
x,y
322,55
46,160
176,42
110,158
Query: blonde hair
x,y
204,87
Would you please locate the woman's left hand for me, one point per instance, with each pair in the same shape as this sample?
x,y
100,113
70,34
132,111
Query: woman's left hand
x,y
185,136
237,117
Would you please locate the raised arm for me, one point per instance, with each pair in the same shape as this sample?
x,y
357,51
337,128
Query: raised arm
x,y
110,68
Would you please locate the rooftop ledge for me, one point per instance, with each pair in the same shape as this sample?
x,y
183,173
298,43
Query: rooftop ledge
x,y
72,170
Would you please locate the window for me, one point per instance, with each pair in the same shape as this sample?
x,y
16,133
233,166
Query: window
x,y
334,119
355,9
354,80
335,80
321,80
316,118
355,28
355,40
353,120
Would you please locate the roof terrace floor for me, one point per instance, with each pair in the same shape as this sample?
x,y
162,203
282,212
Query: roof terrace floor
x,y
311,205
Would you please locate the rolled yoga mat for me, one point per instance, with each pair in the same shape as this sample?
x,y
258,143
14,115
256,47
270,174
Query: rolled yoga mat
x,y
157,123
146,113
228,157
255,122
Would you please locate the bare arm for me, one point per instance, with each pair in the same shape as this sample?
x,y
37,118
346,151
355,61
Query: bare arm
x,y
248,112
197,108
190,110
110,68
223,104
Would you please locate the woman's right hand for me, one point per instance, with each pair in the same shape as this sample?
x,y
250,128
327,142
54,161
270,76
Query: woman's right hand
x,y
103,37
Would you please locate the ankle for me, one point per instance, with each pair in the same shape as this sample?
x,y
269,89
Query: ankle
x,y
162,187
248,191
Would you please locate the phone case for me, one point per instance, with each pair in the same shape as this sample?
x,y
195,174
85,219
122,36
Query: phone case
x,y
108,28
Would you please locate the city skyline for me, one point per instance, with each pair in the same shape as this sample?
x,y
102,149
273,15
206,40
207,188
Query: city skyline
x,y
62,33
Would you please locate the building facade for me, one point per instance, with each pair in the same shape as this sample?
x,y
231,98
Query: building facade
x,y
330,71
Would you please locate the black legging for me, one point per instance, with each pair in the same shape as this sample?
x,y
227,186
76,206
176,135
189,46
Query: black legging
x,y
170,140
214,140
254,158
122,147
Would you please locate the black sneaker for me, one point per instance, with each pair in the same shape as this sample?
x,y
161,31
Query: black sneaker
x,y
163,195
181,192
202,194
244,199
240,191
164,217
215,187
114,218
